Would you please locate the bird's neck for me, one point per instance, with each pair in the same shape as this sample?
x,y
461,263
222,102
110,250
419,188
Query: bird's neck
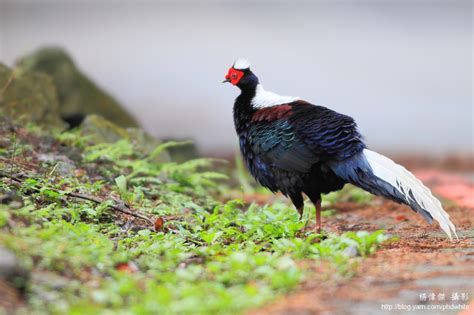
x,y
243,108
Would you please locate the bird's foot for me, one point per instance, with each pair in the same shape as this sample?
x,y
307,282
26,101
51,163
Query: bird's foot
x,y
322,235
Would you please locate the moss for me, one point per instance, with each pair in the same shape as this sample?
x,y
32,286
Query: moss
x,y
79,96
29,97
101,130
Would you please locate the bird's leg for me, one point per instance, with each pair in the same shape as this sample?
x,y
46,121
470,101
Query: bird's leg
x,y
316,200
318,216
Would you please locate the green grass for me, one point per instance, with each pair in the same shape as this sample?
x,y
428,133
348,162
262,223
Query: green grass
x,y
210,256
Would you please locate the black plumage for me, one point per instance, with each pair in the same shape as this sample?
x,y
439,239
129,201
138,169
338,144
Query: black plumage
x,y
293,154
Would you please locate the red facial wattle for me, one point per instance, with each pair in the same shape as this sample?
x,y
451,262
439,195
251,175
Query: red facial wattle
x,y
234,76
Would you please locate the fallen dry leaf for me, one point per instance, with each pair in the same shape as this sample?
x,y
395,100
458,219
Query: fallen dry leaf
x,y
159,222
128,267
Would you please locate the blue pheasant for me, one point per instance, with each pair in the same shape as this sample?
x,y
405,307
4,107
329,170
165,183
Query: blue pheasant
x,y
295,147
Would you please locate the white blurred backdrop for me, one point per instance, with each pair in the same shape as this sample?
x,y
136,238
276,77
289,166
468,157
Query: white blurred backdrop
x,y
402,69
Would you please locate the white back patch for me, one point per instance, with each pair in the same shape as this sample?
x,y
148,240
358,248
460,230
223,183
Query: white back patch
x,y
264,98
241,64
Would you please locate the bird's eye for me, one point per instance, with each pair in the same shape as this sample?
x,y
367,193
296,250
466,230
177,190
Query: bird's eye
x,y
234,76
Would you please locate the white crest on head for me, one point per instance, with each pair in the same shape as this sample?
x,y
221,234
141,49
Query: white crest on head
x,y
264,98
241,64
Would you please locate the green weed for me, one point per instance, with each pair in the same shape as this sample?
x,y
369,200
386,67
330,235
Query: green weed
x,y
208,257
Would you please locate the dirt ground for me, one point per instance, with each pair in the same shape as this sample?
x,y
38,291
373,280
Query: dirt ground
x,y
420,273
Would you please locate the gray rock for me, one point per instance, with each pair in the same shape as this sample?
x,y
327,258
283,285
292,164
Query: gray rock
x,y
184,152
61,164
29,97
351,251
78,95
100,130
11,270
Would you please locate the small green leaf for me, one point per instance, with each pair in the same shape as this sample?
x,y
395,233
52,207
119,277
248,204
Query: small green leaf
x,y
121,182
144,232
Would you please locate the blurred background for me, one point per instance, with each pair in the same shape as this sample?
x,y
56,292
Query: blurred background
x,y
403,70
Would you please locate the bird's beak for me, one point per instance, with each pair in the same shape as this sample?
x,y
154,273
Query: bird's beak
x,y
227,78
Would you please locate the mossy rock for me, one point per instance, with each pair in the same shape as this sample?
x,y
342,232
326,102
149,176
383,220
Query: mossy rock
x,y
78,95
184,152
100,130
29,97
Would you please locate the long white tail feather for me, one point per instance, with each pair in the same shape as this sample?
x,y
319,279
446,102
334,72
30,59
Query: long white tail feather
x,y
404,181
